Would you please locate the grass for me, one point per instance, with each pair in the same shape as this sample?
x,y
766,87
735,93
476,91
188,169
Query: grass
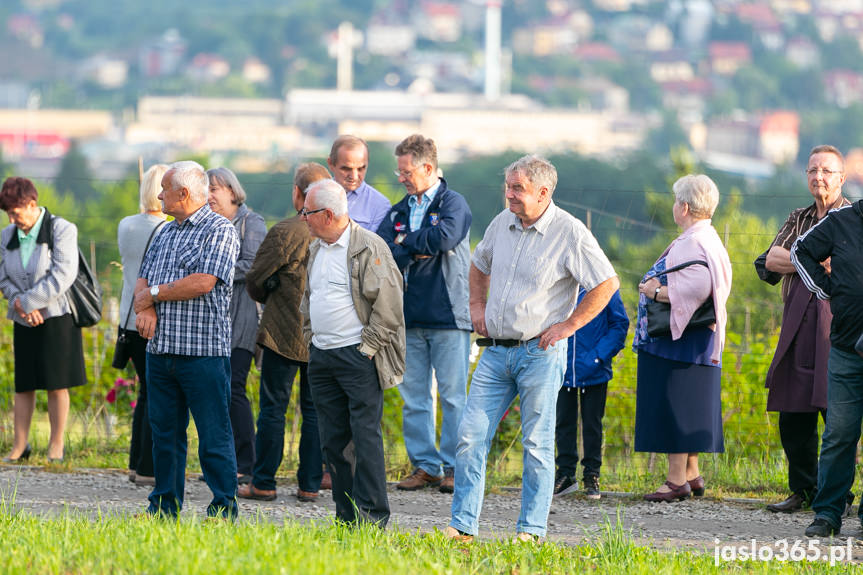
x,y
74,543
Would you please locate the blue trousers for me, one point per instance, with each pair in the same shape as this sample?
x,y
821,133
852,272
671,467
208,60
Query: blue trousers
x,y
200,385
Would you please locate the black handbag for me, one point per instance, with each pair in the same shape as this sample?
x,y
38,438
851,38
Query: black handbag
x,y
123,347
85,294
659,312
765,274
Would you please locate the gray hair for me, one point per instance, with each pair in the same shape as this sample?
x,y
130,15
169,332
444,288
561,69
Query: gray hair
x,y
329,194
699,192
191,175
151,186
539,171
225,177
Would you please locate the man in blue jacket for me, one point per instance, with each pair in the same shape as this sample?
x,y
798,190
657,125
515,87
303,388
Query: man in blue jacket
x,y
588,371
428,233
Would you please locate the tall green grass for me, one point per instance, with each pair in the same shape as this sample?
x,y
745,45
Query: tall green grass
x,y
74,543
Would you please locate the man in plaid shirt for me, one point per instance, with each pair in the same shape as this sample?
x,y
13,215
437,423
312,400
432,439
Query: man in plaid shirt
x,y
181,300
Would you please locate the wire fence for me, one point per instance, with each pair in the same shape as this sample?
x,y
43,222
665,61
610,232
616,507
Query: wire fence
x,y
750,432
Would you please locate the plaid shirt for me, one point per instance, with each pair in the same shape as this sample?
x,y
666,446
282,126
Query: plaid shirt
x,y
797,224
205,243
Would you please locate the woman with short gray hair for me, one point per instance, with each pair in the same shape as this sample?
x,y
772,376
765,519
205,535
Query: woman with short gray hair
x,y
228,198
678,407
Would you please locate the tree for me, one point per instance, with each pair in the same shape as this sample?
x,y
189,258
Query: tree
x,y
75,177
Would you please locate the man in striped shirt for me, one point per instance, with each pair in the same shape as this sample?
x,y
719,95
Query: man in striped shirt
x,y
181,300
524,280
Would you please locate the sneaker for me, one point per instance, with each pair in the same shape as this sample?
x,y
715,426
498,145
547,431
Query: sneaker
x,y
591,487
821,528
419,479
565,484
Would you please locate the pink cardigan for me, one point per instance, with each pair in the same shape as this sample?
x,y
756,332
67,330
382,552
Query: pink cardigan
x,y
688,288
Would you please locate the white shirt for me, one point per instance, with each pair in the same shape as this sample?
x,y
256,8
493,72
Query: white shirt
x,y
331,308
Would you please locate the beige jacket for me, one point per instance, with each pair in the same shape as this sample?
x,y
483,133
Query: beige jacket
x,y
376,289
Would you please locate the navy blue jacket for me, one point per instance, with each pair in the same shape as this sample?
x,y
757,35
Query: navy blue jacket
x,y
596,344
436,290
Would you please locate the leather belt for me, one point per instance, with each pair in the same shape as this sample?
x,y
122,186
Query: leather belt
x,y
490,341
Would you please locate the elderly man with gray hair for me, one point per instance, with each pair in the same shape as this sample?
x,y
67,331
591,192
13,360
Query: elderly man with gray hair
x,y
524,281
182,300
353,321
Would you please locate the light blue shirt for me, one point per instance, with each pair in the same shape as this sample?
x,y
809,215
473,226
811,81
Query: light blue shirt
x,y
28,241
421,206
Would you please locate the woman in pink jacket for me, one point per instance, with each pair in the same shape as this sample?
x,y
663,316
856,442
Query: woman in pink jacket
x,y
678,404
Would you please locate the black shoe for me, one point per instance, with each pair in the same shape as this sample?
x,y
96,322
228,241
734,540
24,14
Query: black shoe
x,y
849,505
25,455
821,528
793,503
565,484
591,487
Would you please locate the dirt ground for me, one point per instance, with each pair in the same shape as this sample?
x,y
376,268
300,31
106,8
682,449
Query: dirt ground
x,y
695,524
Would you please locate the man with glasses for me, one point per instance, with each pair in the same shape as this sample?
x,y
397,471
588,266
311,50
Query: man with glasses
x,y
348,161
797,377
353,321
428,234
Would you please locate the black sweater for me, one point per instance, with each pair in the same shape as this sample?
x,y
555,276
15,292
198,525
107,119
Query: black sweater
x,y
839,236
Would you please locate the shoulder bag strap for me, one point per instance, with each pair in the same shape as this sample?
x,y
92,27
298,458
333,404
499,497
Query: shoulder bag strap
x,y
679,267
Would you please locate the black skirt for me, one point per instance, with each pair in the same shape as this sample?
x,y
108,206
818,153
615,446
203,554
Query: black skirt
x,y
49,356
678,407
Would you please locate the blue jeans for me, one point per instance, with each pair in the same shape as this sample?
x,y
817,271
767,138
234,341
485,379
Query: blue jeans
x,y
447,351
503,373
841,432
277,379
179,384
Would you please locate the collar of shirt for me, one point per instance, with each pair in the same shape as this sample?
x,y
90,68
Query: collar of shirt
x,y
197,216
541,225
361,190
343,241
427,197
34,231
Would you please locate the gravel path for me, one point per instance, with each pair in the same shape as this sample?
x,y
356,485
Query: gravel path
x,y
691,524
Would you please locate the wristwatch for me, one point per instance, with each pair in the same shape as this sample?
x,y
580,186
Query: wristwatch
x,y
655,293
154,293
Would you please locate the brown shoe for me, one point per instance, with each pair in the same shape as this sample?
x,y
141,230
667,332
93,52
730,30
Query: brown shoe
x,y
419,479
456,535
249,491
448,484
307,496
675,493
326,481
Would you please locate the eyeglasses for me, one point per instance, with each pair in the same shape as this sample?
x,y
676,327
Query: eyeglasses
x,y
306,213
811,172
405,174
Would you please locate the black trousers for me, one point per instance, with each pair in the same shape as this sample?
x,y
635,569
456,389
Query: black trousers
x,y
350,405
242,422
590,403
799,435
141,446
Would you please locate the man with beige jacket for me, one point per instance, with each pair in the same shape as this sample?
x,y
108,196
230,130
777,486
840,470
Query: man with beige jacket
x,y
354,323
